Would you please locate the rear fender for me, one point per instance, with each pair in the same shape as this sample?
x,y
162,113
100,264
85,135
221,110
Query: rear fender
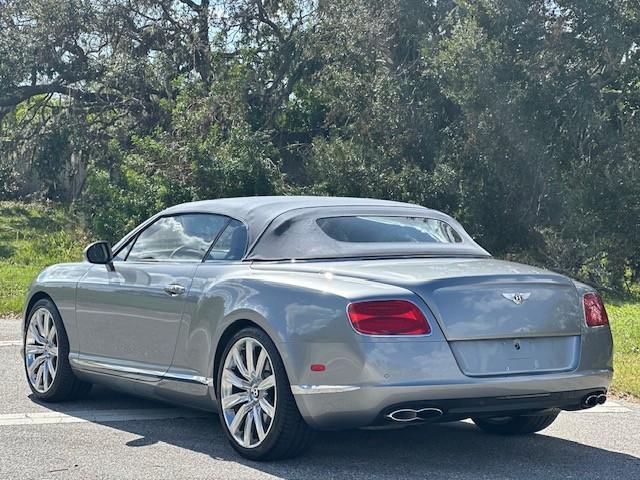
x,y
291,308
597,342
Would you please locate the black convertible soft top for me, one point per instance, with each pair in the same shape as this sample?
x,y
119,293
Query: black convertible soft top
x,y
312,233
286,227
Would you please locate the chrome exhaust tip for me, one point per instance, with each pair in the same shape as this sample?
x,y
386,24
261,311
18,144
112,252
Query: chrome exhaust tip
x,y
411,414
602,398
429,413
403,415
590,401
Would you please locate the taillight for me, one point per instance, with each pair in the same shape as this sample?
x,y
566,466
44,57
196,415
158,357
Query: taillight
x,y
594,313
388,317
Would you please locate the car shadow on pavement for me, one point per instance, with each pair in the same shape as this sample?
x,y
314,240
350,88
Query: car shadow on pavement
x,y
454,450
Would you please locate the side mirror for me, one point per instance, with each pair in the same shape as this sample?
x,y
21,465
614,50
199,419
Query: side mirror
x,y
100,253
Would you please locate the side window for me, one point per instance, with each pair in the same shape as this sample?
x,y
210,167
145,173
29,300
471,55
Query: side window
x,y
184,237
231,244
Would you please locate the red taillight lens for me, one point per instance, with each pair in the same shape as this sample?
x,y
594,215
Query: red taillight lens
x,y
594,313
388,317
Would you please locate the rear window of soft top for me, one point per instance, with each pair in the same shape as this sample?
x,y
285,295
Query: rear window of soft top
x,y
388,229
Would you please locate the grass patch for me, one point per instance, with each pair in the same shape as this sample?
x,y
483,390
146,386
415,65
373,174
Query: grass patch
x,y
33,236
625,325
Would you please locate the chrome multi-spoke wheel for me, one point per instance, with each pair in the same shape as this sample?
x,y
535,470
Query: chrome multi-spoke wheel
x,y
46,355
41,350
248,392
257,410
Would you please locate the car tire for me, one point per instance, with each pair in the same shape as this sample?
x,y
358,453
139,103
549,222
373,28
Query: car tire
x,y
52,338
286,434
517,425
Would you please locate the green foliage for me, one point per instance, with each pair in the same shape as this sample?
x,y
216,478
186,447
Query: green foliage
x,y
33,236
518,118
9,180
625,325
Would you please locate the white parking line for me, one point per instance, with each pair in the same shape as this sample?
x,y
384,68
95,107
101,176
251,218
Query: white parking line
x,y
98,416
10,343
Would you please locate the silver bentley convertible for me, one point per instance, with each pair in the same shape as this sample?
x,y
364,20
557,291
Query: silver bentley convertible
x,y
292,314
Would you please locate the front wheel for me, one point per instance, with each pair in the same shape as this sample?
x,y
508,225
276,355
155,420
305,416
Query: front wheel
x,y
257,409
517,425
46,356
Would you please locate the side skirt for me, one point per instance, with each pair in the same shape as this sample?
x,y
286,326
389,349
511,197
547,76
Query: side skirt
x,y
176,387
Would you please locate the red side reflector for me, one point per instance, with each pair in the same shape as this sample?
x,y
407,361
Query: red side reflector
x,y
318,367
388,317
594,312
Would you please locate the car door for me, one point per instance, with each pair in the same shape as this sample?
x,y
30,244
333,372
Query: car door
x,y
129,318
206,301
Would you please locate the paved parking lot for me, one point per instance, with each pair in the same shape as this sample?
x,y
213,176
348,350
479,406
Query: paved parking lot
x,y
111,435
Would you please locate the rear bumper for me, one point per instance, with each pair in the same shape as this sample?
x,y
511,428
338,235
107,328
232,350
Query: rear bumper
x,y
364,376
344,406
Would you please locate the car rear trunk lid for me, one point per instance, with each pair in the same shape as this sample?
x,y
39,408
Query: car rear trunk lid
x,y
508,324
503,306
500,318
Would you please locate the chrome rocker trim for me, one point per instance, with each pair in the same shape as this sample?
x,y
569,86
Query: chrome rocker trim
x,y
93,365
314,389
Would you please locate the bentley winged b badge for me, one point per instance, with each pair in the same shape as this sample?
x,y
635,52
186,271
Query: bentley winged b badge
x,y
518,298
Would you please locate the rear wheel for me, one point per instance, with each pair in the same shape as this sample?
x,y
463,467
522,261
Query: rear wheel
x,y
46,356
517,425
257,409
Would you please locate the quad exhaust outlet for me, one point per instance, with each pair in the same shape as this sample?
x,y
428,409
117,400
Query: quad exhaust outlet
x,y
405,415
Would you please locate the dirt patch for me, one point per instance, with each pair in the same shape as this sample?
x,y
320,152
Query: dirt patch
x,y
613,395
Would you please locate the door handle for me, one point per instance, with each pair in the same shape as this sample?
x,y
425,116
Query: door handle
x,y
174,289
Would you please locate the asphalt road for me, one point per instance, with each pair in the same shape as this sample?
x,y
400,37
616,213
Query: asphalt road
x,y
111,435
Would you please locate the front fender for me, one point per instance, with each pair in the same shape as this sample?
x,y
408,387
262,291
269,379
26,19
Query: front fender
x,y
59,283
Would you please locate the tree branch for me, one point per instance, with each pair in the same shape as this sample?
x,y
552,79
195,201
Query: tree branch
x,y
262,16
22,93
191,4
